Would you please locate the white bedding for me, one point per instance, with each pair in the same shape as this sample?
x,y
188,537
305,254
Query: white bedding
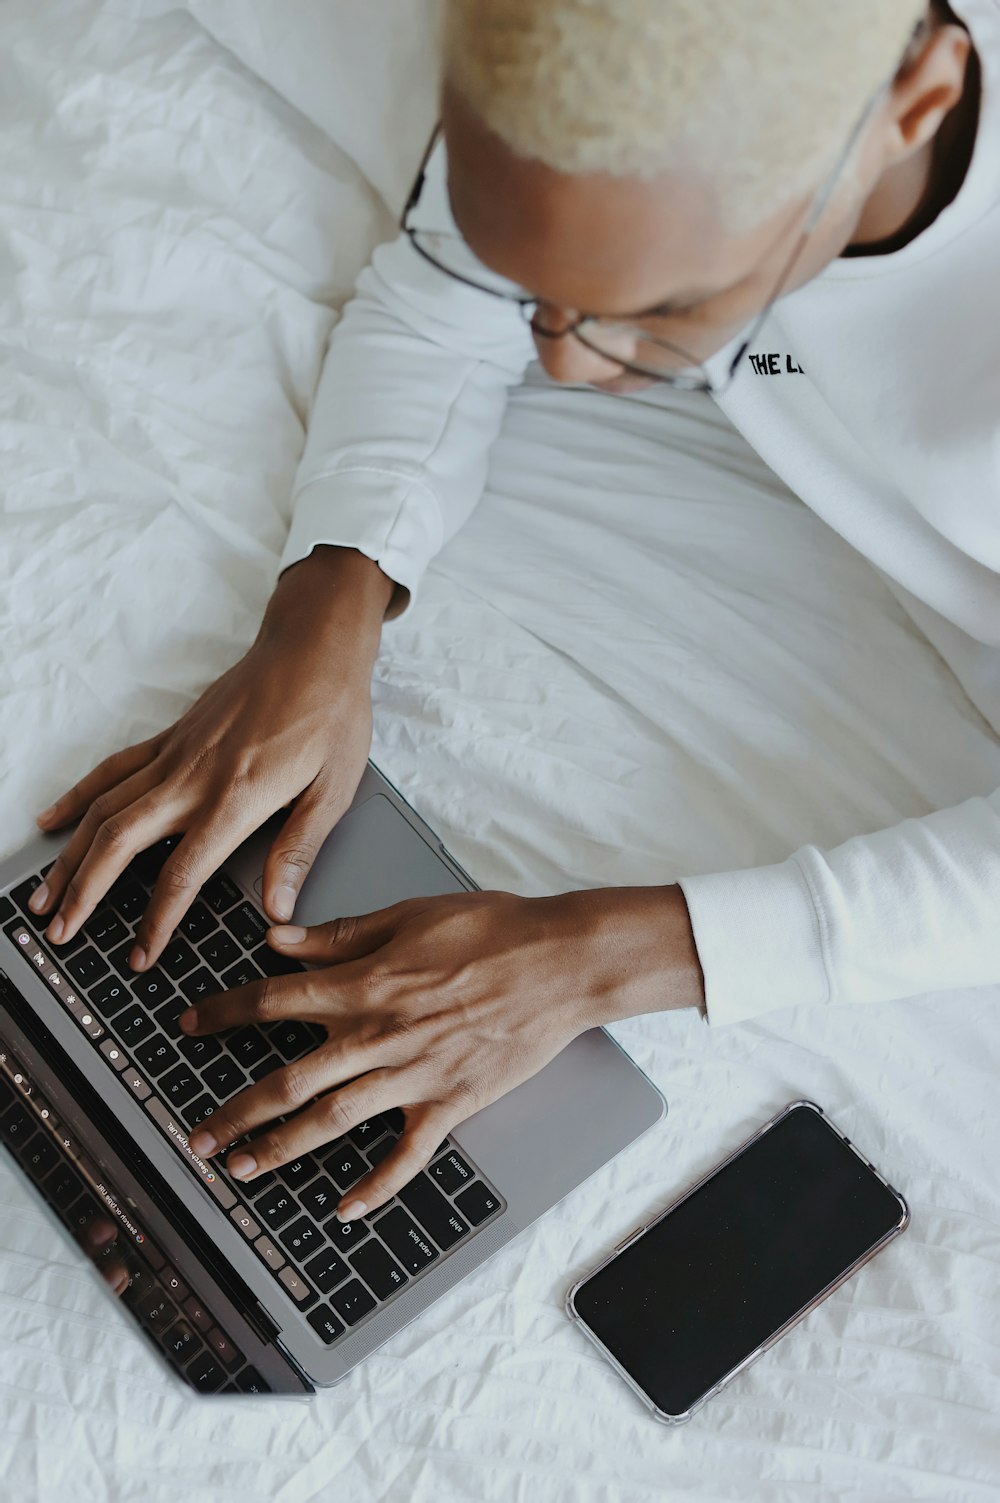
x,y
641,658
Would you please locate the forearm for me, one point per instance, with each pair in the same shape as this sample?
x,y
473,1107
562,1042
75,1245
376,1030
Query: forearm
x,y
336,595
649,957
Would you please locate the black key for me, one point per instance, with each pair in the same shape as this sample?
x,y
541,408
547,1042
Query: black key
x,y
178,958
246,924
109,996
240,974
379,1271
320,1198
22,892
219,951
87,966
325,1323
205,1373
377,1152
402,1235
368,1132
168,1012
156,1055
223,1076
119,959
63,1186
476,1202
219,893
345,1165
197,922
301,1238
276,1207
155,1309
133,1025
249,1046
327,1269
289,1038
148,864
299,1172
106,929
394,1120
260,1182
180,1341
451,1172
180,1085
435,1214
7,909
200,983
352,1301
345,1234
274,964
128,897
266,1067
250,1381
199,1049
41,1157
152,987
197,1111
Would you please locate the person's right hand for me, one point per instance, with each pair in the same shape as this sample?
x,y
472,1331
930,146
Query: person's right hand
x,y
290,723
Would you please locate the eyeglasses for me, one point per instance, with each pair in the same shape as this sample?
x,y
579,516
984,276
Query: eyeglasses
x,y
627,343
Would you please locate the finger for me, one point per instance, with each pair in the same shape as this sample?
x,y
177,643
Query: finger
x,y
118,837
294,850
101,825
193,860
113,770
342,939
265,1001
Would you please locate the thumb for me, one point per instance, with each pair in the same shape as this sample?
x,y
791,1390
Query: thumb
x,y
292,854
348,938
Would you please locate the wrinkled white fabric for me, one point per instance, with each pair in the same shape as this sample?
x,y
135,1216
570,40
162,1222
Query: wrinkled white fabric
x,y
639,657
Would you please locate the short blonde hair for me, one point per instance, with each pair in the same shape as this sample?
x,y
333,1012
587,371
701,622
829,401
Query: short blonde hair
x,y
761,93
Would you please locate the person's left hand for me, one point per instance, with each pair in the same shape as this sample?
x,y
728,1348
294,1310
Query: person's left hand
x,y
439,1006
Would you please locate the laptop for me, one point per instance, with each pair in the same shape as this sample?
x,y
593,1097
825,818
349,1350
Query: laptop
x,y
258,1288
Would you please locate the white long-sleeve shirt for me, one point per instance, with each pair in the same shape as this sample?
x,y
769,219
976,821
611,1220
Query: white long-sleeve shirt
x,y
889,429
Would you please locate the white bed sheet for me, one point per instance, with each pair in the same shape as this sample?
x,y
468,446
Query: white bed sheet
x,y
641,658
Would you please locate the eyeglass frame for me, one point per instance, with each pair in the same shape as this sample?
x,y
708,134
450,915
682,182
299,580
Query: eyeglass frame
x,y
704,383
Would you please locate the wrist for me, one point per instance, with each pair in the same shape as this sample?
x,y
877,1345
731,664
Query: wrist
x,y
649,958
332,591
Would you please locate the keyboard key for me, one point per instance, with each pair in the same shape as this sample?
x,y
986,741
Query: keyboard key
x,y
167,1014
241,974
352,1301
114,1054
180,1341
435,1214
22,892
246,925
119,959
42,1156
7,909
327,1269
368,1132
260,1183
476,1202
197,1314
64,1186
297,1286
223,1076
272,1255
290,1038
173,1283
451,1172
133,1025
156,1055
266,1067
106,929
346,1234
179,1086
136,1083
249,1046
299,1172
377,1152
199,984
219,951
276,1207
148,864
86,966
300,1239
273,964
402,1235
394,1120
380,1271
128,898
198,1049
220,893
197,923
178,958
326,1325
205,1373
152,987
345,1165
250,1381
109,996
196,1111
225,1348
155,1309
320,1198
245,1222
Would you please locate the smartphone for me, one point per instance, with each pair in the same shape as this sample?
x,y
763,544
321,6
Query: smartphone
x,y
690,1299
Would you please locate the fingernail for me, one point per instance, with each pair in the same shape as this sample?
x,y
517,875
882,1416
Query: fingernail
x,y
46,814
56,929
137,959
202,1143
283,901
188,1020
351,1211
39,898
122,1283
103,1236
288,934
240,1165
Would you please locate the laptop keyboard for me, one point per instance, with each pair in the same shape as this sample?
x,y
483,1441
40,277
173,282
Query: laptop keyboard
x,y
335,1273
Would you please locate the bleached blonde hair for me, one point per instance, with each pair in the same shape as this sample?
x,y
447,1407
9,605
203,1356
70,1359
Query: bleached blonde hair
x,y
763,94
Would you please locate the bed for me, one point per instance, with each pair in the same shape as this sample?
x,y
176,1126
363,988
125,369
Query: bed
x,y
641,658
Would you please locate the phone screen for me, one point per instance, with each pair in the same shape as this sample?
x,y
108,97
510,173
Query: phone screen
x,y
706,1285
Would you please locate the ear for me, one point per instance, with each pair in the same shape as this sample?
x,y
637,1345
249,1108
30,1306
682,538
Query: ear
x,y
927,87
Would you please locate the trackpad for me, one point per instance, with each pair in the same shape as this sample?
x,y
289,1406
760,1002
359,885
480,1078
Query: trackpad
x,y
371,859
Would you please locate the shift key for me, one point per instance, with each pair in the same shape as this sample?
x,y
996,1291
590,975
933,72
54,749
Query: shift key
x,y
435,1214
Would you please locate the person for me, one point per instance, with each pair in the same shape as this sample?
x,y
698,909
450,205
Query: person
x,y
792,205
